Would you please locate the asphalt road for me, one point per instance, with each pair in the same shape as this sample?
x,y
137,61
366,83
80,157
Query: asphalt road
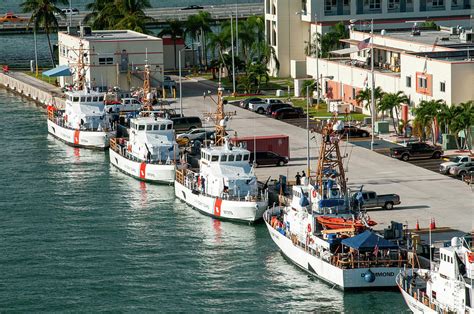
x,y
424,194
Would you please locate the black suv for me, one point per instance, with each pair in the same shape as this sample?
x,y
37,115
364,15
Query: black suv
x,y
268,158
273,107
183,124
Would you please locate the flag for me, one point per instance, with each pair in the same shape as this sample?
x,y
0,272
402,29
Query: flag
x,y
366,81
363,44
376,250
425,67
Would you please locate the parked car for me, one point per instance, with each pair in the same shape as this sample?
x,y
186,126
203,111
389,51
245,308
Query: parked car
x,y
267,159
287,113
372,200
354,131
462,169
193,7
72,11
126,104
261,106
12,18
453,161
183,124
416,150
197,134
244,103
273,107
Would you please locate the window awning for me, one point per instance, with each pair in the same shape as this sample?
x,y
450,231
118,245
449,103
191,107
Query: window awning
x,y
345,51
62,70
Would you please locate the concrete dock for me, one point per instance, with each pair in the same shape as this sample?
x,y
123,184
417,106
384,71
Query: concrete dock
x,y
424,194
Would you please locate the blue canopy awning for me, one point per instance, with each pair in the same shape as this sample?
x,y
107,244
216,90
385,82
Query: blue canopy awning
x,y
62,70
367,240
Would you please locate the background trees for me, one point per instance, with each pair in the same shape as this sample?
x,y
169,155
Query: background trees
x,y
43,15
118,14
175,31
390,102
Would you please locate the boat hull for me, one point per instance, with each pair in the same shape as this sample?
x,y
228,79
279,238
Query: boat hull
x,y
244,211
344,279
155,173
414,305
79,138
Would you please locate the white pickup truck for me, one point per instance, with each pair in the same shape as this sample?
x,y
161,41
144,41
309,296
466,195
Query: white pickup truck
x,y
453,161
260,106
125,104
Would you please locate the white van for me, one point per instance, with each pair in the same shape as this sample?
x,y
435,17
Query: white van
x,y
72,11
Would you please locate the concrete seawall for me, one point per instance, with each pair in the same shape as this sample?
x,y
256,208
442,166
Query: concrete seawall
x,y
32,88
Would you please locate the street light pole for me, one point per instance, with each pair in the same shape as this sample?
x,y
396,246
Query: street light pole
x,y
233,58
317,59
180,85
307,132
372,94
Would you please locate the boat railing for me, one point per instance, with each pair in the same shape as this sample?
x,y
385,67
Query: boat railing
x,y
188,178
410,285
58,117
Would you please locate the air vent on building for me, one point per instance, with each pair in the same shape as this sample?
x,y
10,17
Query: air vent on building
x,y
85,31
466,37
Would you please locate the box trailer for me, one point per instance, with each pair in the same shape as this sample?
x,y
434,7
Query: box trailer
x,y
279,144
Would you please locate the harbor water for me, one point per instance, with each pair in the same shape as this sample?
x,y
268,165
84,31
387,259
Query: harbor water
x,y
78,235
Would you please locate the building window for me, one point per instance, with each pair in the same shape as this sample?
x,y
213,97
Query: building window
x,y
438,3
346,3
304,6
373,4
329,4
422,82
442,87
408,80
107,60
393,4
353,93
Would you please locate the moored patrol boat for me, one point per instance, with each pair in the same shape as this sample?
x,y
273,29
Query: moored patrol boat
x,y
83,121
224,185
447,287
149,153
340,257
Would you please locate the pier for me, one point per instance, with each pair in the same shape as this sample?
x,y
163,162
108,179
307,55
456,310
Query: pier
x,y
160,16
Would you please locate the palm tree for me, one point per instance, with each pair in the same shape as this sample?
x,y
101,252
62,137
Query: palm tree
x,y
198,24
43,14
391,102
220,42
366,96
118,14
463,120
425,116
331,40
175,31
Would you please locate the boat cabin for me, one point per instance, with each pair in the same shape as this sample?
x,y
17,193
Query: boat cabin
x,y
152,139
227,172
85,110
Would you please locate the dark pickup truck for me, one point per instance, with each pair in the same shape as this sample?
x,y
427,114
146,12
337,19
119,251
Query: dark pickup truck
x,y
416,150
373,200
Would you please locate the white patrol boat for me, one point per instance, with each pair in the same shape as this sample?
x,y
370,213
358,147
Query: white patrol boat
x,y
447,287
149,153
83,122
224,185
334,251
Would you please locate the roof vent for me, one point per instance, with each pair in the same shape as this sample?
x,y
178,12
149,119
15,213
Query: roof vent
x,y
466,37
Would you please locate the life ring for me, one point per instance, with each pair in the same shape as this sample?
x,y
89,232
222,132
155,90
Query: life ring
x,y
309,228
129,147
470,257
314,193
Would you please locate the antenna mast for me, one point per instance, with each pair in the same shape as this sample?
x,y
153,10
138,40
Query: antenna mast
x,y
330,164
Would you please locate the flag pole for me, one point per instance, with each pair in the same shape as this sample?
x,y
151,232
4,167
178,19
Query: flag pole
x,y
372,94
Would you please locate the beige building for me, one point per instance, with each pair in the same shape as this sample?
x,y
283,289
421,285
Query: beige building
x,y
112,58
291,23
431,65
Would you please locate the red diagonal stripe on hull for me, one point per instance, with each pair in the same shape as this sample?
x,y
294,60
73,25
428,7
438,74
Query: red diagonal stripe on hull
x,y
217,207
76,137
142,170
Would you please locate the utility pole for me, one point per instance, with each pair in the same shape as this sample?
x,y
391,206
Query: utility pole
x,y
372,94
233,57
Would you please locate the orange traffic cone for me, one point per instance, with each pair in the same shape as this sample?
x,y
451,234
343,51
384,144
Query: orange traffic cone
x,y
434,224
417,225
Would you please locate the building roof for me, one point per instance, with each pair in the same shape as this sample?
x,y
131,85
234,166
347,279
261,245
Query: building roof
x,y
430,37
113,35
